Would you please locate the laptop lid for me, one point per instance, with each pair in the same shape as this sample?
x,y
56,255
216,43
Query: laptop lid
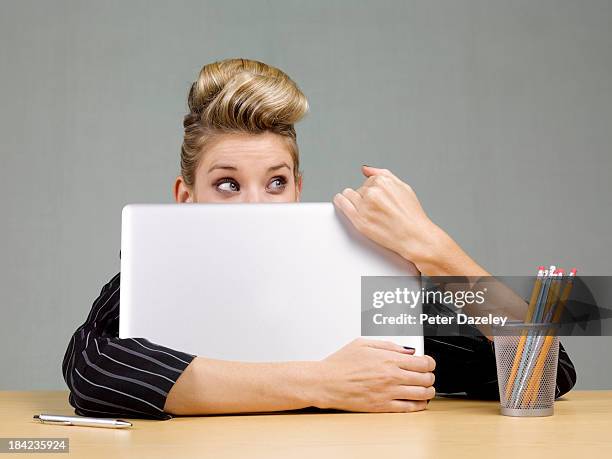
x,y
250,282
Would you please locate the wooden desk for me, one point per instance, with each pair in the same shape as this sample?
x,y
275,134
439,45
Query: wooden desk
x,y
580,429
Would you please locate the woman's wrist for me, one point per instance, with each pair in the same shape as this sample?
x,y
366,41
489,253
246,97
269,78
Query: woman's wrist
x,y
428,252
307,377
319,383
439,255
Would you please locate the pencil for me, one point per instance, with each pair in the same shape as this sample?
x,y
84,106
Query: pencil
x,y
554,296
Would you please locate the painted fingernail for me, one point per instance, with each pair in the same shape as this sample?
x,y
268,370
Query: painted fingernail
x,y
408,348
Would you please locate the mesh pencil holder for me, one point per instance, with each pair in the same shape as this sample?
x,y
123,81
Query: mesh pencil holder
x,y
527,371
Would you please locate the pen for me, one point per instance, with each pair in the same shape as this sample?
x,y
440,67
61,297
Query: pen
x,y
82,421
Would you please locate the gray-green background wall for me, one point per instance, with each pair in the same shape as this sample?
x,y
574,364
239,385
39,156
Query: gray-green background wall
x,y
498,113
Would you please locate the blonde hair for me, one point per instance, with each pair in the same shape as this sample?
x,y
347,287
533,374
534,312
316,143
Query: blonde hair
x,y
243,96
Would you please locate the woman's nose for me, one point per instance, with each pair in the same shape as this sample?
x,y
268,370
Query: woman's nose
x,y
252,196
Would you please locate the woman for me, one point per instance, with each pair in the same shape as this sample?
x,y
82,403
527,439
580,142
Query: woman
x,y
240,146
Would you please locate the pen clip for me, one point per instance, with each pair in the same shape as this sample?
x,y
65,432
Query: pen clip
x,y
52,421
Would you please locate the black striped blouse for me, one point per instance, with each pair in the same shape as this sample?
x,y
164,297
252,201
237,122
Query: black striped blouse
x,y
111,377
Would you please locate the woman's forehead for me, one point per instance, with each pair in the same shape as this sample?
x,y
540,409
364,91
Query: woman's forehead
x,y
263,150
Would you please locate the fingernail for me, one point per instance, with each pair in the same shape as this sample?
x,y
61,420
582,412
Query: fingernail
x,y
408,348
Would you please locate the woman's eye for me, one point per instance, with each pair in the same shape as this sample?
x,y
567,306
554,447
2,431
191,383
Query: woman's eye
x,y
228,186
277,184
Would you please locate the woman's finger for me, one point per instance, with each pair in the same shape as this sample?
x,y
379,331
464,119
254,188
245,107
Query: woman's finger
x,y
348,209
415,378
420,363
413,393
369,171
406,406
352,196
387,346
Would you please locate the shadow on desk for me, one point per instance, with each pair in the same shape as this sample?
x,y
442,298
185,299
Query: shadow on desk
x,y
480,406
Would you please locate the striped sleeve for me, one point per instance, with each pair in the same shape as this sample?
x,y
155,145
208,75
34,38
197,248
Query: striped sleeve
x,y
111,377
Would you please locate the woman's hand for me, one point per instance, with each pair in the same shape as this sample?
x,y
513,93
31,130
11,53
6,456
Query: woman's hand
x,y
375,376
387,211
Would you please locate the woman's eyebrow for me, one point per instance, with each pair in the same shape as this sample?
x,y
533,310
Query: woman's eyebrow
x,y
279,166
222,166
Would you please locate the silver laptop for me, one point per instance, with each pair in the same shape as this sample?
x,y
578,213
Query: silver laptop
x,y
251,282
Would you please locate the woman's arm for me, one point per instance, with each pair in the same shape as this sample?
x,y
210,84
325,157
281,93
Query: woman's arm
x,y
387,210
110,376
365,375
